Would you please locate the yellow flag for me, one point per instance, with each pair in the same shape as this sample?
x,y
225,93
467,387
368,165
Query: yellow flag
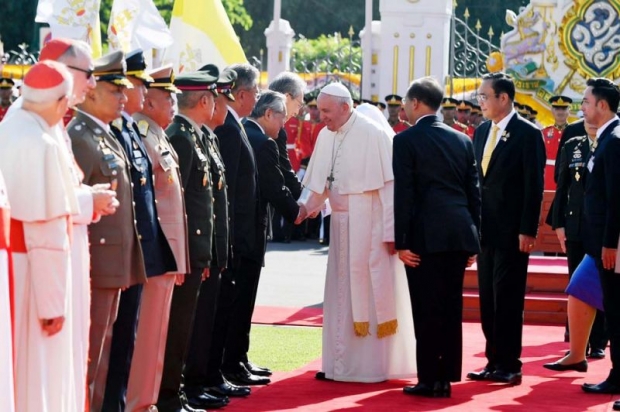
x,y
202,34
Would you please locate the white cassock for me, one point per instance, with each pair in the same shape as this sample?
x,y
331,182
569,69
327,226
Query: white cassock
x,y
41,193
78,316
367,327
7,388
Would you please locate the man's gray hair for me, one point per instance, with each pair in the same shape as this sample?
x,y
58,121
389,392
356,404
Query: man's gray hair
x,y
190,99
247,76
75,53
269,100
288,83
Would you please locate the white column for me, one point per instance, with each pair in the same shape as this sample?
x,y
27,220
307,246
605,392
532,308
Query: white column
x,y
279,36
371,52
415,42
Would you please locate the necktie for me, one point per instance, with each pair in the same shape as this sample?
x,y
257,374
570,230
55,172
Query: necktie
x,y
486,157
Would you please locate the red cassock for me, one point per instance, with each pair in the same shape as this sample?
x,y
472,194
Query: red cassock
x,y
552,136
3,111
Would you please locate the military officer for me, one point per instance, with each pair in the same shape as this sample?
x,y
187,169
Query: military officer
x,y
116,253
196,105
198,376
394,105
6,95
448,111
568,217
463,111
158,257
560,109
156,114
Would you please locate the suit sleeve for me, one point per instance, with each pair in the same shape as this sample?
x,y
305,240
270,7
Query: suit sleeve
x,y
534,158
474,200
230,147
561,193
185,150
403,164
290,178
272,185
612,188
49,262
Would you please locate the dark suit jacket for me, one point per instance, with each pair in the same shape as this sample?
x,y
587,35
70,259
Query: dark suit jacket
x,y
198,189
115,253
273,188
221,235
242,178
602,193
158,257
512,189
436,190
568,200
290,178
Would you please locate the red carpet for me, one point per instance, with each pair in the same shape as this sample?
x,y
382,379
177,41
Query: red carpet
x,y
274,315
541,390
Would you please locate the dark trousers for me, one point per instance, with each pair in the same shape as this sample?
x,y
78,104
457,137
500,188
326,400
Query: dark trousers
x,y
225,301
502,275
182,310
436,290
598,335
121,349
237,342
197,363
281,230
610,281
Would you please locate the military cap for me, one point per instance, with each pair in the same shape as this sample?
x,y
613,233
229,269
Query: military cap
x,y
6,83
111,68
528,108
368,101
382,105
163,78
534,113
136,66
476,109
560,101
226,82
393,100
464,106
201,80
449,103
357,102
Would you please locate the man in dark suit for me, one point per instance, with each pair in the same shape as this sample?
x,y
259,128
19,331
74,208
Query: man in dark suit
x,y
601,207
569,226
510,153
262,127
195,108
436,221
240,280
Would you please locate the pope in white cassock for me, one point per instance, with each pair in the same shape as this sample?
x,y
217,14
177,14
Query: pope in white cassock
x,y
40,189
367,327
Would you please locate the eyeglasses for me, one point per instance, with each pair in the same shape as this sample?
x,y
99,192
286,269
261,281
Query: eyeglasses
x,y
87,72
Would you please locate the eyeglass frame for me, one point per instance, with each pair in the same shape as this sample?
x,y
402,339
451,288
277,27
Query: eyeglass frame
x,y
88,72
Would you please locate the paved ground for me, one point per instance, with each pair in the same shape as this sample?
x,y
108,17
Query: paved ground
x,y
294,275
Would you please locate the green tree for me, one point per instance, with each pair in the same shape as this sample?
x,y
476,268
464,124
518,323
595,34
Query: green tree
x,y
327,54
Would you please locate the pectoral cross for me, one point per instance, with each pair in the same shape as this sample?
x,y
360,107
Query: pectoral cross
x,y
330,179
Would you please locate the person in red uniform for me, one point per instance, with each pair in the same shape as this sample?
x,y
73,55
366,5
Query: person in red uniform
x,y
448,111
475,117
560,109
296,131
308,140
463,111
394,105
6,95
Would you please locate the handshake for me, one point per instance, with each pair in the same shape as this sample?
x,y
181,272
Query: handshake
x,y
303,214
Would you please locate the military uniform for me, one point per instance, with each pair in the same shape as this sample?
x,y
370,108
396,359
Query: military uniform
x,y
465,106
190,143
6,86
553,136
393,101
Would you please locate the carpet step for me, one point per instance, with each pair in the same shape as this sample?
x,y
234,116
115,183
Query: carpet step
x,y
540,308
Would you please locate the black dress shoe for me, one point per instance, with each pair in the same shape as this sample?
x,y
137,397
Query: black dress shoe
x,y
596,354
229,389
175,405
483,375
604,387
511,378
320,376
616,406
257,370
423,389
205,400
241,376
557,366
446,389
